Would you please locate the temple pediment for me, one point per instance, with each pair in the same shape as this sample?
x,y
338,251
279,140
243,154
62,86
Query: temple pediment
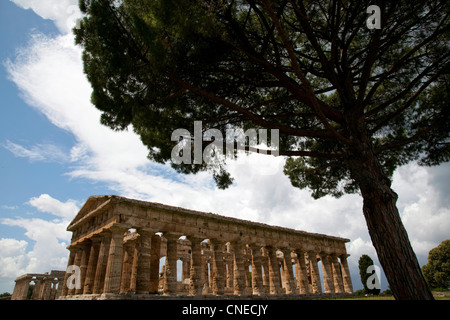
x,y
90,205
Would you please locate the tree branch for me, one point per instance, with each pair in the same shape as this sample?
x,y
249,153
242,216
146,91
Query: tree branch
x,y
409,102
401,143
251,116
305,83
402,61
288,82
313,154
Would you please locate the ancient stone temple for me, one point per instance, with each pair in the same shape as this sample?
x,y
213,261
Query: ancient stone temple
x,y
130,249
39,286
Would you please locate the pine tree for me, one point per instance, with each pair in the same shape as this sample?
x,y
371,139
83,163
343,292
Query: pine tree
x,y
365,273
351,103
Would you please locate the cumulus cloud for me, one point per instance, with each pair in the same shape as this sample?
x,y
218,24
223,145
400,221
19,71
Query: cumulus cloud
x,y
63,12
46,203
49,249
46,249
422,207
12,257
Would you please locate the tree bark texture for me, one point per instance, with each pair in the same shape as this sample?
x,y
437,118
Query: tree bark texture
x,y
386,229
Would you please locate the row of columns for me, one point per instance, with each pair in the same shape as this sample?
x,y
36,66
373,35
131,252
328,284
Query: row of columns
x,y
266,271
45,288
108,265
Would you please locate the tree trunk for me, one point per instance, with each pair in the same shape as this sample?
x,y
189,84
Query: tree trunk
x,y
386,229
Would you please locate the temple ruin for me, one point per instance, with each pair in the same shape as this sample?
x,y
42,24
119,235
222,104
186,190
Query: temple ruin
x,y
39,286
118,245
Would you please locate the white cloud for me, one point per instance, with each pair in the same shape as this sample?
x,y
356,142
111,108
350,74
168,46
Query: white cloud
x,y
424,214
12,258
50,241
46,203
49,74
78,153
63,12
38,152
357,247
9,207
11,247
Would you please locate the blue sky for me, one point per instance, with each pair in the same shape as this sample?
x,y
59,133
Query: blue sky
x,y
54,154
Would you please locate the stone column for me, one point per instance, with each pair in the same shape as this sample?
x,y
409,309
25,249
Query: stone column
x,y
314,269
127,266
115,259
205,275
154,264
186,269
60,287
327,275
85,252
274,271
337,276
230,274
21,289
302,275
288,275
248,280
170,279
53,290
348,288
195,276
229,267
134,254
37,289
65,289
24,289
47,287
239,270
17,293
265,264
92,266
218,267
143,262
257,284
102,263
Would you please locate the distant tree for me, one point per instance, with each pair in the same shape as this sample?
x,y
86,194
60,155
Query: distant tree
x,y
351,103
437,270
364,262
